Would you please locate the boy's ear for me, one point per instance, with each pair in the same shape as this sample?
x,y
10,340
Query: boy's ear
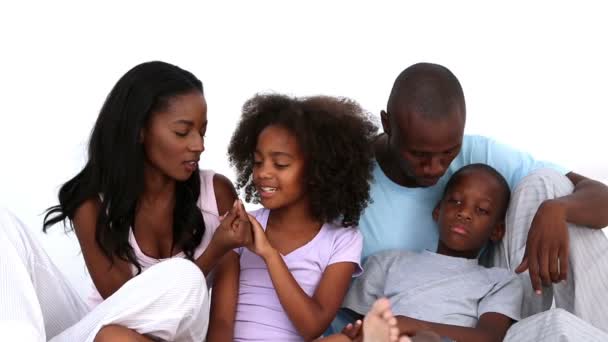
x,y
498,232
436,212
386,122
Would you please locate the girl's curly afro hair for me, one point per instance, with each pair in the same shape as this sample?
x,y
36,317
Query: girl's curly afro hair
x,y
335,135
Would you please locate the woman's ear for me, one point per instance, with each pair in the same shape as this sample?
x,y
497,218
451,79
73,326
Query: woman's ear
x,y
141,136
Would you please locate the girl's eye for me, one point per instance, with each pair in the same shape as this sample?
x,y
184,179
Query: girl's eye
x,y
181,134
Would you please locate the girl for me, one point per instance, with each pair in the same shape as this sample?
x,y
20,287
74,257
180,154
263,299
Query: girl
x,y
308,162
140,199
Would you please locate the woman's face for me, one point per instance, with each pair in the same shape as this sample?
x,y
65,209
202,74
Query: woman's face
x,y
173,138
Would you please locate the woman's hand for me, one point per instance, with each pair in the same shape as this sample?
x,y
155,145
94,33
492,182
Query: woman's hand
x,y
234,230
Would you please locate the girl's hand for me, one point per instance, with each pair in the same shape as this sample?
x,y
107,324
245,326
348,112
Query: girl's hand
x,y
260,244
234,230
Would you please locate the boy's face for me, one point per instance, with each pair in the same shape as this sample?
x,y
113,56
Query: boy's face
x,y
471,212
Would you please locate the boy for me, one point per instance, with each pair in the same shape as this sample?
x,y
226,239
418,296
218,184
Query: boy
x,y
448,292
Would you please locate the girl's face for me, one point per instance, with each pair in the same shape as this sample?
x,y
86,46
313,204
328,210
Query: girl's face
x,y
278,168
173,138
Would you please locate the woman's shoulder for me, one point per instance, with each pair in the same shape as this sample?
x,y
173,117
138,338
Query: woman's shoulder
x,y
217,192
85,216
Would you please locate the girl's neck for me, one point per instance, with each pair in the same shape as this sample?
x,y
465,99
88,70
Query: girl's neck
x,y
293,217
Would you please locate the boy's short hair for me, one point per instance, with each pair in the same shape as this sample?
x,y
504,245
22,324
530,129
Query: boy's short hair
x,y
502,182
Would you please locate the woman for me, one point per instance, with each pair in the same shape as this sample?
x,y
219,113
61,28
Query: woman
x,y
139,200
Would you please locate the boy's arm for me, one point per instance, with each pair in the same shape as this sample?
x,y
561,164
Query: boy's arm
x,y
491,327
369,286
224,299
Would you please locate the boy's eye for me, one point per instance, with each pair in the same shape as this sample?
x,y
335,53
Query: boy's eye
x,y
455,201
482,211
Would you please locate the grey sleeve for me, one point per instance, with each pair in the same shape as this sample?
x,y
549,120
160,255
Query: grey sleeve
x,y
366,288
504,298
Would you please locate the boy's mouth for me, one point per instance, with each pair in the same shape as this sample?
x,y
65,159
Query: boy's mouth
x,y
459,229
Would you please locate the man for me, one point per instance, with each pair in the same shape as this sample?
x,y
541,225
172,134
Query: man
x,y
424,144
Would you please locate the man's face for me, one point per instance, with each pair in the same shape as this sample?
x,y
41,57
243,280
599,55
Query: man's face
x,y
424,147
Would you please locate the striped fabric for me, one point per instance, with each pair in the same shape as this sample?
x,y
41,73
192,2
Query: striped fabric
x,y
169,301
555,325
585,294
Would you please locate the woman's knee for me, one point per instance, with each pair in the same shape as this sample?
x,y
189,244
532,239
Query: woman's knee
x,y
182,270
187,283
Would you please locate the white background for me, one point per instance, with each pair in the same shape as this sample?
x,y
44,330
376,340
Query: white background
x,y
534,74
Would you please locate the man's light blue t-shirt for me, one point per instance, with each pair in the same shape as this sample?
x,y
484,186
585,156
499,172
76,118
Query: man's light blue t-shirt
x,y
401,217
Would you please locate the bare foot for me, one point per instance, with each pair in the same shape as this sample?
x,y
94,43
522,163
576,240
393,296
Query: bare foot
x,y
379,325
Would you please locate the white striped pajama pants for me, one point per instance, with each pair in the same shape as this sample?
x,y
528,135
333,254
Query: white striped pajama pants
x,y
168,301
584,294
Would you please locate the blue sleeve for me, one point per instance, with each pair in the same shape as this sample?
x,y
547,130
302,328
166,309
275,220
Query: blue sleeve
x,y
511,163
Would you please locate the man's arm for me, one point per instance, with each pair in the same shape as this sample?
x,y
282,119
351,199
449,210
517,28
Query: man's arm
x,y
547,246
588,204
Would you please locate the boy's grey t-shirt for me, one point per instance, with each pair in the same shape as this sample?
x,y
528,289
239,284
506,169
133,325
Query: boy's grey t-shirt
x,y
435,288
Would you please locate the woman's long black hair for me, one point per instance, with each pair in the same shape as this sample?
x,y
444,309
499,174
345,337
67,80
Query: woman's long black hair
x,y
114,170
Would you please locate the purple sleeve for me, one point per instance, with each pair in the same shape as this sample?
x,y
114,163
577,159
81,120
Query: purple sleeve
x,y
347,247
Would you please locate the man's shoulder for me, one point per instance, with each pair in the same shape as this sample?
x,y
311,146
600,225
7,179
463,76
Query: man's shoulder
x,y
475,140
